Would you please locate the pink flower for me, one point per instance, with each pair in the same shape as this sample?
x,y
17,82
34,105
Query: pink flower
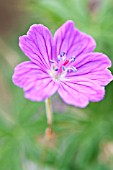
x,y
65,63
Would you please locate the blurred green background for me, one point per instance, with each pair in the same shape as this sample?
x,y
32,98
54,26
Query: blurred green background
x,y
83,138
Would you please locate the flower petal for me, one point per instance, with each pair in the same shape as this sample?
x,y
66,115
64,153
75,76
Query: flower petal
x,y
80,91
93,66
70,40
37,45
37,84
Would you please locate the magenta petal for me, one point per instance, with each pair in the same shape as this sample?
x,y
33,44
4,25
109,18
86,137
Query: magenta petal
x,y
80,91
36,84
41,90
94,67
70,40
37,45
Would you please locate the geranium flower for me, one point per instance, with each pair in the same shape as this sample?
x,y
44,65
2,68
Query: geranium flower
x,y
65,64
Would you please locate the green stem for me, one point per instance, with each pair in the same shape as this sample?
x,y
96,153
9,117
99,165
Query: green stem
x,y
49,112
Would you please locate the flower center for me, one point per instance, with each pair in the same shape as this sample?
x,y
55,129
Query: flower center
x,y
60,68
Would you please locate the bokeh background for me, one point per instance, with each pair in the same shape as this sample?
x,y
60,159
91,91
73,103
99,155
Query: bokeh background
x,y
83,138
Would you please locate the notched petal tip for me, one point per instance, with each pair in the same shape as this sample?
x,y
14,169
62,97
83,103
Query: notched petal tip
x,y
71,40
34,98
106,58
69,22
84,105
22,40
111,78
92,41
37,45
100,94
40,27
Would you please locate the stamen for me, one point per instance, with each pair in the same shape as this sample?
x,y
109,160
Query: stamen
x,y
74,69
71,69
52,61
58,57
72,59
63,55
56,69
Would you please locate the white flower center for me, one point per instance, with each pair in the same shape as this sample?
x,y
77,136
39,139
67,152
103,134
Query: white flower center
x,y
61,68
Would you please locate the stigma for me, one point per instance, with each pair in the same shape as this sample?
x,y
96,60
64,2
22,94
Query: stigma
x,y
62,66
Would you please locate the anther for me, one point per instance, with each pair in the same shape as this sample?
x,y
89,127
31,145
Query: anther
x,y
71,69
72,59
52,61
56,69
74,69
63,68
63,55
58,57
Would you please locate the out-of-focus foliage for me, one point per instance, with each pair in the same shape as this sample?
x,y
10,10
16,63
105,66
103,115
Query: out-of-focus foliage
x,y
83,138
